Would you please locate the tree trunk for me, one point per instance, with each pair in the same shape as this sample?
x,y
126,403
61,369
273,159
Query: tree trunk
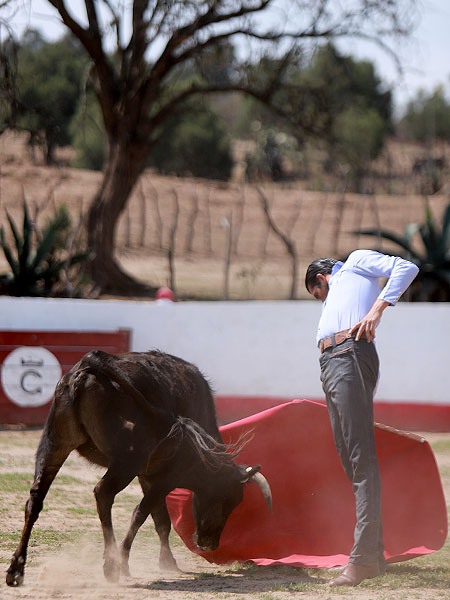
x,y
124,165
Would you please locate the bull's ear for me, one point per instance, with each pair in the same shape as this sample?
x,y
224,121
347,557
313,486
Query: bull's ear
x,y
248,472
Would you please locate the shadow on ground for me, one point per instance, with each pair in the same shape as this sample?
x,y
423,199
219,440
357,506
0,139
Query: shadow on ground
x,y
252,579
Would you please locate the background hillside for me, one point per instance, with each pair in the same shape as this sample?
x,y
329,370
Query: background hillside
x,y
320,223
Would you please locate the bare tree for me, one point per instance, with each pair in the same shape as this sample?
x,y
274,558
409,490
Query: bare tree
x,y
340,206
289,244
49,198
227,224
265,236
158,218
128,228
207,224
131,83
315,224
143,224
171,248
239,221
192,218
294,218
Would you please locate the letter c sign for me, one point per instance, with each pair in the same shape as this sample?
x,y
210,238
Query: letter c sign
x,y
29,375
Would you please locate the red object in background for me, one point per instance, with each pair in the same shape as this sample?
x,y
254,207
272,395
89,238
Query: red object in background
x,y
313,504
412,416
164,293
33,361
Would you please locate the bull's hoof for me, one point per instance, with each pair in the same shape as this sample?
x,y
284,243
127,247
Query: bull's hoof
x,y
125,569
168,563
14,578
173,568
111,571
14,575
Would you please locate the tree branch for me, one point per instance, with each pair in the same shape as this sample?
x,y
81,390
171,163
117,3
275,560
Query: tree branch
x,y
92,17
91,39
138,41
74,26
289,244
116,22
211,17
264,96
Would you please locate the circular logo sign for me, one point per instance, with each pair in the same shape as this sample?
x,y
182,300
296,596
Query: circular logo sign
x,y
30,375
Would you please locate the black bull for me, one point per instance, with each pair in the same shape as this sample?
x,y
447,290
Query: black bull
x,y
144,414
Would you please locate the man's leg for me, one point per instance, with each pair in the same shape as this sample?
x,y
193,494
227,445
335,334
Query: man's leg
x,y
349,375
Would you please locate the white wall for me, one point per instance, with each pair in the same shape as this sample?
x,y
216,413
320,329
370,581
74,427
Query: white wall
x,y
257,348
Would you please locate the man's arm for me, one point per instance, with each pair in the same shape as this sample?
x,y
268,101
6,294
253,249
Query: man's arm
x,y
400,273
366,327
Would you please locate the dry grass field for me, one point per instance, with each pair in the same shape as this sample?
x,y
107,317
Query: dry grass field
x,y
213,215
65,552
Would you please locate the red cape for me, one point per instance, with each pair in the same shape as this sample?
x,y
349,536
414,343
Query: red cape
x,y
313,504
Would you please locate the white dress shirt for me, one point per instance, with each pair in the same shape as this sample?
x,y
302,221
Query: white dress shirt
x,y
355,285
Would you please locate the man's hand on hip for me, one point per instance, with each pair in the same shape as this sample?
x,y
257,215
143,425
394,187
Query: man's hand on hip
x,y
366,327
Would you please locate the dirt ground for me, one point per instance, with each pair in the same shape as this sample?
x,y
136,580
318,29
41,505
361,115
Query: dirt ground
x,y
65,553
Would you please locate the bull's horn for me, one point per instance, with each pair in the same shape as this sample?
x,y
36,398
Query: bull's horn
x,y
262,482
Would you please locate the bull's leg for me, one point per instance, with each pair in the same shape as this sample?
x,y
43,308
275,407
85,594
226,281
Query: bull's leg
x,y
162,524
161,518
140,514
105,491
49,459
153,502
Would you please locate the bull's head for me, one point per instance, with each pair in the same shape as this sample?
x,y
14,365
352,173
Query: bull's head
x,y
213,504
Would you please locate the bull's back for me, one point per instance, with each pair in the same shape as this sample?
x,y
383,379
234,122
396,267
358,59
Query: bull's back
x,y
178,386
135,395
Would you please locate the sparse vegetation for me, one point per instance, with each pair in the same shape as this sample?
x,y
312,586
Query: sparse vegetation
x,y
319,223
15,482
42,263
433,281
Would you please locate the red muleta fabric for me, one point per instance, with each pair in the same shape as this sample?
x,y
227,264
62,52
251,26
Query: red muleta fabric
x,y
313,504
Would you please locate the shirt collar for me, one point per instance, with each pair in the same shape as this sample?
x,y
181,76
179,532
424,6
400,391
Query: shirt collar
x,y
336,268
334,271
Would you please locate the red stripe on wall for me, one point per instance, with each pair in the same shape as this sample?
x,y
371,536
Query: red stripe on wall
x,y
410,416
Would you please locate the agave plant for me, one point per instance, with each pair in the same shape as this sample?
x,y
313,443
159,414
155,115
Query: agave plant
x,y
433,281
38,262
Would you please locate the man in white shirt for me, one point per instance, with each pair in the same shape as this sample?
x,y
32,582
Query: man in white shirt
x,y
353,303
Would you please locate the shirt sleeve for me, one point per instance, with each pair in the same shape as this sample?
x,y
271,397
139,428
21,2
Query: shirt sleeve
x,y
398,271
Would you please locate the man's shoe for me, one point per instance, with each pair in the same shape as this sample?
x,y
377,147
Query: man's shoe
x,y
353,574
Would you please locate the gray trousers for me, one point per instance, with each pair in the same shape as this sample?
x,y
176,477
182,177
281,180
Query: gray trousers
x,y
349,374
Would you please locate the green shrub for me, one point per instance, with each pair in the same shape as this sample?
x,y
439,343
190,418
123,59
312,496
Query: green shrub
x,y
432,284
41,264
194,144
